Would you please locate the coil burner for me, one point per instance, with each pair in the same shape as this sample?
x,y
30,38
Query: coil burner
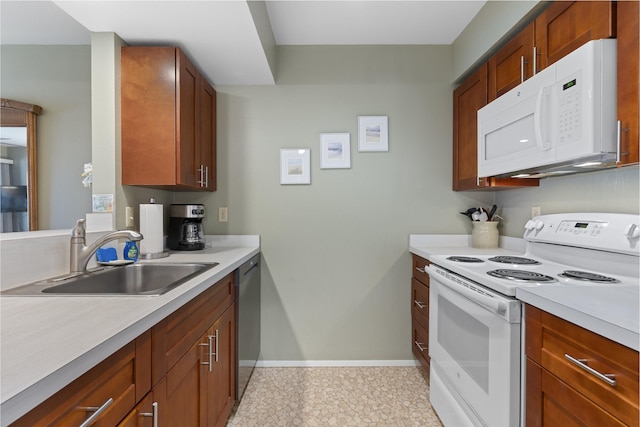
x,y
468,259
506,259
587,277
521,275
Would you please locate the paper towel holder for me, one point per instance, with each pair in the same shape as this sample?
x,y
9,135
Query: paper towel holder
x,y
160,254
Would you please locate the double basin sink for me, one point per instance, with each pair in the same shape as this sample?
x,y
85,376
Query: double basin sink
x,y
145,279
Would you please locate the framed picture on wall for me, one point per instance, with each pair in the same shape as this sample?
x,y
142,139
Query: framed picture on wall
x,y
373,133
335,151
295,166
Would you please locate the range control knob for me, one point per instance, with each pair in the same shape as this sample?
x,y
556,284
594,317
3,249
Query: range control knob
x,y
529,225
632,231
538,225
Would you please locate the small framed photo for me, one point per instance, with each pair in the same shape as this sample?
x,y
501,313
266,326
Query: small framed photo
x,y
373,133
295,166
335,151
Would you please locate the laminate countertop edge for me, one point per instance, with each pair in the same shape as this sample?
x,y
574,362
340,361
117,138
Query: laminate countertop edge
x,y
49,341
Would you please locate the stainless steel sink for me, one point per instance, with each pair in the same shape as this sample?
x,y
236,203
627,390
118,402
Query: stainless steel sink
x,y
135,279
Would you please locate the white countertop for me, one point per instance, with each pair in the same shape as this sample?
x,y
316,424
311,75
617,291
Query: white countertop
x,y
607,310
48,341
610,311
425,245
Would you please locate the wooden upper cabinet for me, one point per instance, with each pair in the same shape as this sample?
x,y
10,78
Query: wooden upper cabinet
x,y
628,77
168,121
512,64
566,25
207,153
468,98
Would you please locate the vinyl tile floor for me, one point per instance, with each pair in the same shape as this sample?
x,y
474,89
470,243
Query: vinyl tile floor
x,y
336,396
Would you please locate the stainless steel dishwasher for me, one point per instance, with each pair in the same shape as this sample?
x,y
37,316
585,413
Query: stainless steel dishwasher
x,y
247,322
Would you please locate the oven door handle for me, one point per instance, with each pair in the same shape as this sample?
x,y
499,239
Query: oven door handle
x,y
484,300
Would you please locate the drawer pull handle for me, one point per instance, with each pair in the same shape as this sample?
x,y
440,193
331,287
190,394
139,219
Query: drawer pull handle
x,y
420,347
97,411
153,414
420,304
582,363
420,270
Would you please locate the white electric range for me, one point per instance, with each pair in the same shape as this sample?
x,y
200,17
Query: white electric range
x,y
475,338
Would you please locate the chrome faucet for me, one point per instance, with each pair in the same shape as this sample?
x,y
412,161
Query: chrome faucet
x,y
81,253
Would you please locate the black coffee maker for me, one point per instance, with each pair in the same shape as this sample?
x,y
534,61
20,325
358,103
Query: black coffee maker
x,y
185,227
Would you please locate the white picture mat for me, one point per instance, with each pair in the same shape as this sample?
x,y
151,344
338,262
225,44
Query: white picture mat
x,y
295,166
335,150
373,133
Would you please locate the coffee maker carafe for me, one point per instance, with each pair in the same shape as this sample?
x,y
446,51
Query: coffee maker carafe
x,y
185,227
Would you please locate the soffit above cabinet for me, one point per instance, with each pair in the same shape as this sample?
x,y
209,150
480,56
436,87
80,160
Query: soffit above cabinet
x,y
234,41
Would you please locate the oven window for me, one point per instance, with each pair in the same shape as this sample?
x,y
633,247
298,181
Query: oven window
x,y
465,339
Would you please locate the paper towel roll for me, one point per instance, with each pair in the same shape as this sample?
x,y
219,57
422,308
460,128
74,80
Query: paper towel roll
x,y
151,228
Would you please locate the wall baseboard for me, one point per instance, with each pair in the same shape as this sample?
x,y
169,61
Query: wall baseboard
x,y
332,363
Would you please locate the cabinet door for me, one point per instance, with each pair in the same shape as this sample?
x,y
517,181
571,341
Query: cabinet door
x,y
512,64
564,26
186,389
207,152
628,77
222,379
188,120
148,115
468,98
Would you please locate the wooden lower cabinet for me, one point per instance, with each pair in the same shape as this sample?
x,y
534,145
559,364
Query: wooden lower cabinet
x,y
200,388
420,311
560,392
111,388
181,373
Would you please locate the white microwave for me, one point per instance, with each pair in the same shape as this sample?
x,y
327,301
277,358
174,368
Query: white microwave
x,y
562,120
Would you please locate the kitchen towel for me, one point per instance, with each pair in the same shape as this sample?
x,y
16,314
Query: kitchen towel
x,y
151,228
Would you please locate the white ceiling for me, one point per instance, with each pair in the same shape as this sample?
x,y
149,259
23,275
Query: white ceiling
x,y
226,38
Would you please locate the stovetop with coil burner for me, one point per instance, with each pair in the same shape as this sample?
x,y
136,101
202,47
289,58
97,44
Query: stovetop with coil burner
x,y
561,249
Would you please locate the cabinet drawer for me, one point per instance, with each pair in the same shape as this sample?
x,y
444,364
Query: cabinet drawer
x,y
175,335
559,340
557,404
419,273
110,385
420,302
420,340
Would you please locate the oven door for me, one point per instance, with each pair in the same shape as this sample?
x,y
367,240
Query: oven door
x,y
474,344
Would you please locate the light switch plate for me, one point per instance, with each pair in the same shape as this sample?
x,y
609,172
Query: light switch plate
x,y
223,214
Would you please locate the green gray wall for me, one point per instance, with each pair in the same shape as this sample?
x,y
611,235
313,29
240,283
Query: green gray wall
x,y
57,78
336,280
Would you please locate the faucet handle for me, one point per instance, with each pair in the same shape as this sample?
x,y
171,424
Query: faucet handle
x,y
79,230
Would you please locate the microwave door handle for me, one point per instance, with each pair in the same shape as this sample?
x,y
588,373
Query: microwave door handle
x,y
538,123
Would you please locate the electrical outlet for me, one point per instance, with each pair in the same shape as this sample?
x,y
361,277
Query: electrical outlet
x,y
130,220
223,215
535,211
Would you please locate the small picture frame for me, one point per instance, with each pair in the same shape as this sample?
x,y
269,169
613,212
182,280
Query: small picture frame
x,y
295,166
373,133
335,151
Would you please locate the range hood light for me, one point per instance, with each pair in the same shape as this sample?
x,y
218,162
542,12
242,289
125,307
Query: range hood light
x,y
524,140
521,175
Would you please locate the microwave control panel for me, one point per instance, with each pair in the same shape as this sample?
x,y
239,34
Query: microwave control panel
x,y
570,109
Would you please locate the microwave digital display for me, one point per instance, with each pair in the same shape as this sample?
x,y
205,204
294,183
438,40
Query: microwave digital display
x,y
568,85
